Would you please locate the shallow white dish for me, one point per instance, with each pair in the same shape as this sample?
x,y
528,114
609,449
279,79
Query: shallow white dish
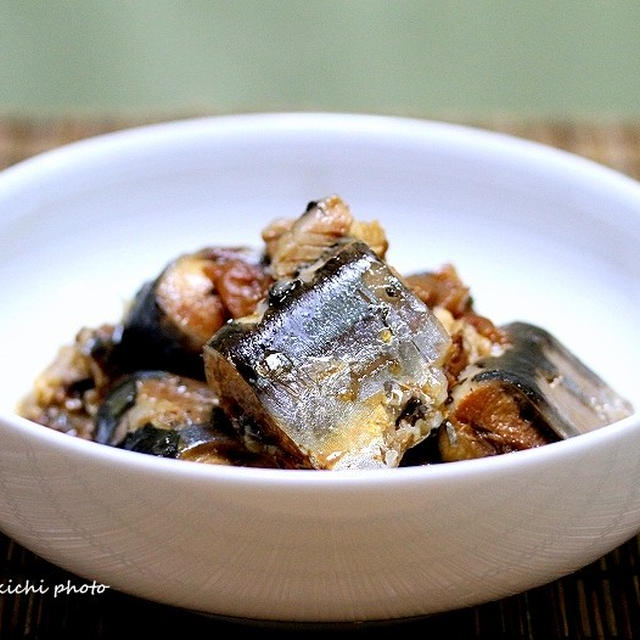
x,y
539,235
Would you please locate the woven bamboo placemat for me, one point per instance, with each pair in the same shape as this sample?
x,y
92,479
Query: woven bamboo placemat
x,y
601,600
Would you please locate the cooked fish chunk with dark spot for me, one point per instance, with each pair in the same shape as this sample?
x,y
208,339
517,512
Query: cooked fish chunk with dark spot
x,y
534,393
331,363
172,317
198,443
159,398
161,414
67,394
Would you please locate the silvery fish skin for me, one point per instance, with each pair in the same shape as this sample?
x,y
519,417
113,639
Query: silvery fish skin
x,y
344,367
556,392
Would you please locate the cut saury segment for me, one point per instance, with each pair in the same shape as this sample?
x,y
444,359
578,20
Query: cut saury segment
x,y
535,392
343,367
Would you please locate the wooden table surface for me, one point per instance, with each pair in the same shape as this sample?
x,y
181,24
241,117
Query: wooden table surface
x,y
600,601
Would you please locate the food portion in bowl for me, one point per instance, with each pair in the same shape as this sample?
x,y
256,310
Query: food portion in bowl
x,y
314,352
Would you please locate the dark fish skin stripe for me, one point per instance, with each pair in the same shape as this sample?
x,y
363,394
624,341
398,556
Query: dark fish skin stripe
x,y
536,366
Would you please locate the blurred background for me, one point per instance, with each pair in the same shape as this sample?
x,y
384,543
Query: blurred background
x,y
454,59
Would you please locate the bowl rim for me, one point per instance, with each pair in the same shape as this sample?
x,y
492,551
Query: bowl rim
x,y
78,152
114,143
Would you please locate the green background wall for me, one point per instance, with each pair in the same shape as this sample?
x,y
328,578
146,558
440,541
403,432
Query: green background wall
x,y
562,58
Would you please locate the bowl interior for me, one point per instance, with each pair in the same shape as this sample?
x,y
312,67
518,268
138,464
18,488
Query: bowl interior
x,y
537,234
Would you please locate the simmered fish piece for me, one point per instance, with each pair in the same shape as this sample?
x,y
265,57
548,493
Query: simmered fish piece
x,y
170,416
172,316
536,392
198,443
67,394
158,398
343,368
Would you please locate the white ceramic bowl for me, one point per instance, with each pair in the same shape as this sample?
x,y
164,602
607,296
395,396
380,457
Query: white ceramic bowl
x,y
538,234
